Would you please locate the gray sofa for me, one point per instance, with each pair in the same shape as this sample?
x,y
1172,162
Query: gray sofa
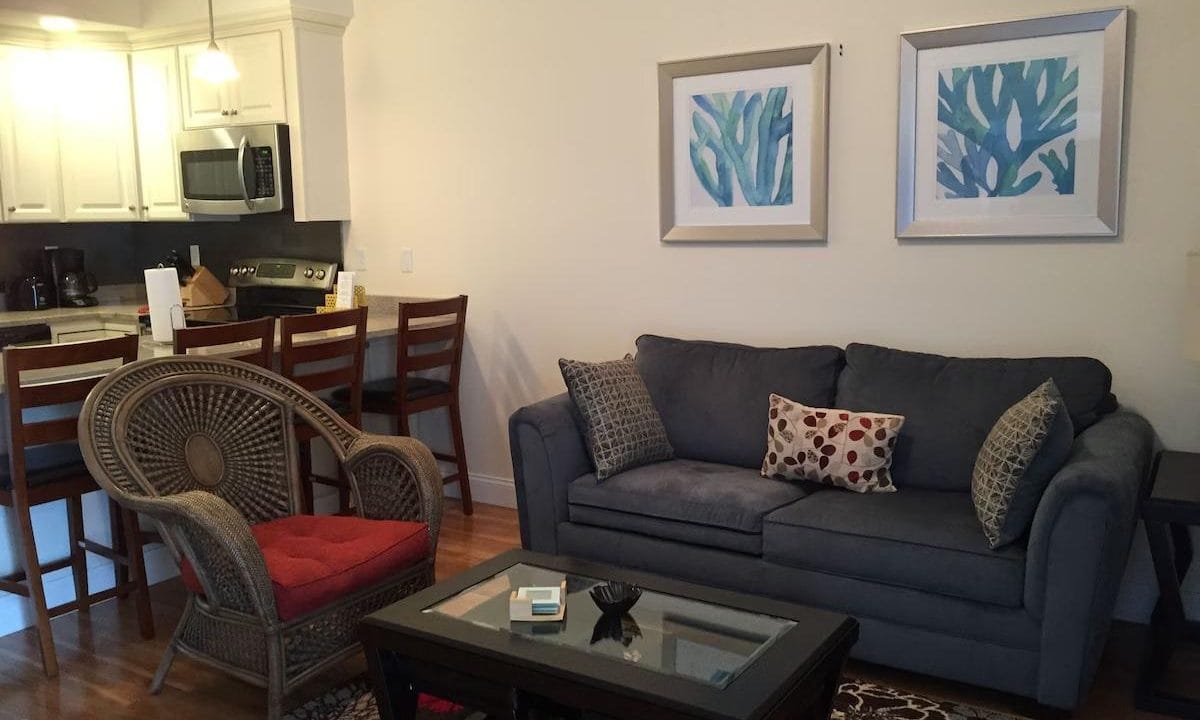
x,y
912,566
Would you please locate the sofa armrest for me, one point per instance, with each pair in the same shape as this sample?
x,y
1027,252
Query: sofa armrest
x,y
1078,549
548,452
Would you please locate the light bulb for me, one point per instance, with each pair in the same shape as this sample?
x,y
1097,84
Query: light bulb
x,y
215,66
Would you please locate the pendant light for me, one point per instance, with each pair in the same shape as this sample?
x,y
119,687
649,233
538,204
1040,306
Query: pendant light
x,y
214,65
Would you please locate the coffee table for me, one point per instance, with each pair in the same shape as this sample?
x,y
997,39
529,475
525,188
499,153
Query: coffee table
x,y
683,652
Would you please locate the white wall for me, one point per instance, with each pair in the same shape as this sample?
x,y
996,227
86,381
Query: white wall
x,y
512,145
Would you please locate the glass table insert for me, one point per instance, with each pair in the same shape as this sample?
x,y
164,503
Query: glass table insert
x,y
667,634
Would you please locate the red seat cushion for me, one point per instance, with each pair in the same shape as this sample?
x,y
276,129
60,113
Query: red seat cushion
x,y
314,560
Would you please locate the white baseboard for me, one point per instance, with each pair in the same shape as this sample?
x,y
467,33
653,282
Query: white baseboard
x,y
485,489
489,490
16,612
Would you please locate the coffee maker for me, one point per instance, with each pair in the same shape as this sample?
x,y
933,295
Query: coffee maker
x,y
71,284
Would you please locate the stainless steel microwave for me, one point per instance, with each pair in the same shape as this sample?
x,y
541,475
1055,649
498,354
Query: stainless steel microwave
x,y
235,170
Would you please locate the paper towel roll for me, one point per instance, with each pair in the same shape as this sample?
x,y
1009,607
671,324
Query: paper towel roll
x,y
166,306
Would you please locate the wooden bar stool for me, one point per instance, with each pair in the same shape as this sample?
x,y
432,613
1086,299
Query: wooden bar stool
x,y
345,379
44,465
423,324
261,330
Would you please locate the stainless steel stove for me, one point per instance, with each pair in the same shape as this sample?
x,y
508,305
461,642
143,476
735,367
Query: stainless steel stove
x,y
271,287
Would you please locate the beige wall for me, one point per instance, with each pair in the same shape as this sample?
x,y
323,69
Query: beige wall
x,y
512,145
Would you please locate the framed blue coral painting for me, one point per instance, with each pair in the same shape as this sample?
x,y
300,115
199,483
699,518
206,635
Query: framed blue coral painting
x,y
742,146
1012,129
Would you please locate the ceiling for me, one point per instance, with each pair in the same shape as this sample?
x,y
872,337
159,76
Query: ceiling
x,y
96,15
126,15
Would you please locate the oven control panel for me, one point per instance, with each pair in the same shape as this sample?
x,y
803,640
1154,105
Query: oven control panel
x,y
283,272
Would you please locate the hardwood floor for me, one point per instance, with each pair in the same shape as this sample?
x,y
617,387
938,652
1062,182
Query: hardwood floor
x,y
105,666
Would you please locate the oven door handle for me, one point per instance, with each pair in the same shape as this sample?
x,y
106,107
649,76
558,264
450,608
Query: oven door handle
x,y
241,161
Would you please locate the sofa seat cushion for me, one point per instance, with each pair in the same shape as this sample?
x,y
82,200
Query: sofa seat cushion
x,y
950,404
314,560
678,531
712,396
688,492
922,539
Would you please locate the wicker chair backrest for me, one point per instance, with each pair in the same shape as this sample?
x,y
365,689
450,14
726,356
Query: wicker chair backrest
x,y
176,424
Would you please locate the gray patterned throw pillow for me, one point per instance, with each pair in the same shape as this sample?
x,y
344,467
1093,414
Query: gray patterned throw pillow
x,y
622,428
1026,446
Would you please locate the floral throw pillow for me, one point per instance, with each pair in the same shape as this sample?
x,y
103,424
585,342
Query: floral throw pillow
x,y
851,450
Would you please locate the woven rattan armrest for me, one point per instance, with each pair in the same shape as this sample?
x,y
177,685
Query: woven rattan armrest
x,y
396,478
216,540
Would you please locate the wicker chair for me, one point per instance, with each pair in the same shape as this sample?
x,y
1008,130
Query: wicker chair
x,y
207,449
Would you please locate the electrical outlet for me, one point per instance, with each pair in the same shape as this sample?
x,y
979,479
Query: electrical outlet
x,y
194,251
406,260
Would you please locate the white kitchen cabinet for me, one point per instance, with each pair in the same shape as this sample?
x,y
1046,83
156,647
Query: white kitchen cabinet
x,y
258,95
157,116
87,130
99,163
203,102
29,168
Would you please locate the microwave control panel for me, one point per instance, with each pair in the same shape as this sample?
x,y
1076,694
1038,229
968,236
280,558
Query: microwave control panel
x,y
264,172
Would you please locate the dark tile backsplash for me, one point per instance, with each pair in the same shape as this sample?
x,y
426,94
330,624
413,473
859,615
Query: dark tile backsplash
x,y
108,249
118,252
223,242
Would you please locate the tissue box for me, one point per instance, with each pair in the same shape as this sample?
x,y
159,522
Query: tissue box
x,y
520,608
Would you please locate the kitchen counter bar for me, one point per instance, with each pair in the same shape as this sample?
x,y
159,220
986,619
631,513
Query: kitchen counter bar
x,y
382,319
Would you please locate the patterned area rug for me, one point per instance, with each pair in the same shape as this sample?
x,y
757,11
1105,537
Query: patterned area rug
x,y
855,701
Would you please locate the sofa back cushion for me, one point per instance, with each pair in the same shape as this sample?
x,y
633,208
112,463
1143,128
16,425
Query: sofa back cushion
x,y
950,404
714,397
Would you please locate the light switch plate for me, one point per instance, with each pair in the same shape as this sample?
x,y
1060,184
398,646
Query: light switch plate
x,y
194,251
406,260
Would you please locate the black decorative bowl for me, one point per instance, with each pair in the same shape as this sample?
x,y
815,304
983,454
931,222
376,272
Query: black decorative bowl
x,y
615,598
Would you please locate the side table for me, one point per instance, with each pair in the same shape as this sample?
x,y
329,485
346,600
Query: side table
x,y
1171,508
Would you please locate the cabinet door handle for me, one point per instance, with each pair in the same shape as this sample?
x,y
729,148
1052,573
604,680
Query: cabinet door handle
x,y
233,112
12,208
133,208
224,112
145,208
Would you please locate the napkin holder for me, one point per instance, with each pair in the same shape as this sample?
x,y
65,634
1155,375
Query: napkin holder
x,y
521,609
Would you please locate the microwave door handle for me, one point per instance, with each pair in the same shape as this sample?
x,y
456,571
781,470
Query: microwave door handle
x,y
241,161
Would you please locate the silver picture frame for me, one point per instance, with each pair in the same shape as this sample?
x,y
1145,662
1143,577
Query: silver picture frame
x,y
1113,24
815,230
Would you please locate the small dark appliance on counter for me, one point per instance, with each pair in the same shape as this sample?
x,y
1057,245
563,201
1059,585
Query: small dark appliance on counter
x,y
30,294
72,285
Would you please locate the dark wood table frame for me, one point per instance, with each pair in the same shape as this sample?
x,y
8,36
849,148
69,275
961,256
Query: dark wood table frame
x,y
409,652
1172,507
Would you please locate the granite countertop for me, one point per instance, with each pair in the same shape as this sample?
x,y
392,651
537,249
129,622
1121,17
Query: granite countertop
x,y
121,305
118,303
